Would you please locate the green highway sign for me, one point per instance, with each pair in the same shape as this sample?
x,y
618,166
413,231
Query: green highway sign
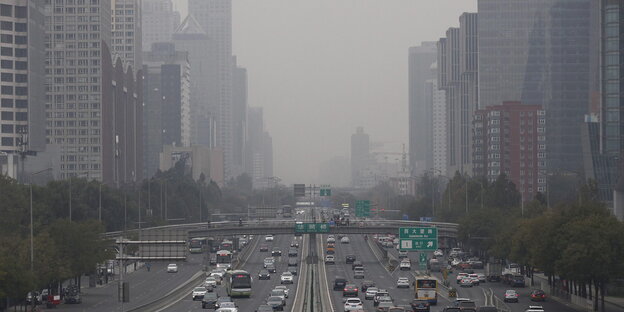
x,y
418,244
418,232
418,238
311,228
362,208
325,190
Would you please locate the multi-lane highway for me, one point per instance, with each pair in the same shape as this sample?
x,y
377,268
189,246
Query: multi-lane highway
x,y
145,286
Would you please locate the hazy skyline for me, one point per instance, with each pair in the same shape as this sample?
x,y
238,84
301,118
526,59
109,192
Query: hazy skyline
x,y
321,68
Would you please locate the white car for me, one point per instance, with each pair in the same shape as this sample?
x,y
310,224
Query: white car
x,y
402,254
405,265
331,239
438,253
268,238
345,240
475,279
330,259
227,307
268,260
279,293
353,304
481,277
172,268
210,281
199,292
403,282
286,278
534,309
370,293
283,288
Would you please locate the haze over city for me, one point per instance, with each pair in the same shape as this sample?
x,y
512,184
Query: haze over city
x,y
322,68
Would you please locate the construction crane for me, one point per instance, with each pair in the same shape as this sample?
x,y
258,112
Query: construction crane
x,y
402,154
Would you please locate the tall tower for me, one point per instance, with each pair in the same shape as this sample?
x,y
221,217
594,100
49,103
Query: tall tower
x,y
215,17
75,54
360,155
126,27
22,76
159,21
517,38
420,135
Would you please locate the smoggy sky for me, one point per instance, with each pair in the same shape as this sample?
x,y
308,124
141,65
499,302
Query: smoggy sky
x,y
321,68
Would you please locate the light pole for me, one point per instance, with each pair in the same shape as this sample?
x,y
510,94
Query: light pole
x,y
32,231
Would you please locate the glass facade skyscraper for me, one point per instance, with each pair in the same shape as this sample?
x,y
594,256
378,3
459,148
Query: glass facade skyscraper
x,y
539,52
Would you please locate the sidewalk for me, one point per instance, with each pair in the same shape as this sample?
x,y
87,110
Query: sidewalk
x,y
612,304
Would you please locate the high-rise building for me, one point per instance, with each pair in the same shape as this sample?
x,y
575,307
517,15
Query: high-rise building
x,y
457,75
420,59
215,17
239,118
191,37
510,139
539,53
126,32
77,44
167,90
603,140
436,98
259,151
159,21
22,71
93,106
360,156
449,81
468,88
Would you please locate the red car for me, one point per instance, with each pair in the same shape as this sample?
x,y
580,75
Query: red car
x,y
538,295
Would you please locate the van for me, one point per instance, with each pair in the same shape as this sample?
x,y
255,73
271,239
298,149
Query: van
x,y
339,283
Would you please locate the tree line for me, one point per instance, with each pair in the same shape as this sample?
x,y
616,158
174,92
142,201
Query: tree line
x,y
568,234
66,249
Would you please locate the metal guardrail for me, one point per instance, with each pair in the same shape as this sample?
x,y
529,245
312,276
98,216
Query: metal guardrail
x,y
300,301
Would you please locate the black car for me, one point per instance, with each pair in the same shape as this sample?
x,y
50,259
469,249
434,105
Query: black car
x,y
339,283
293,270
292,252
270,268
276,303
264,275
264,248
366,284
276,252
349,259
209,300
420,305
293,262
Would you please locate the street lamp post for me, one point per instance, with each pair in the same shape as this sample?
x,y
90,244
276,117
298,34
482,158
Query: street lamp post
x,y
32,231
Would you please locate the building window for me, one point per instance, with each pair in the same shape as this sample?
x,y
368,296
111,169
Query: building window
x,y
21,103
7,141
4,38
6,10
6,116
21,27
7,90
7,103
7,128
21,12
21,116
6,77
5,51
6,25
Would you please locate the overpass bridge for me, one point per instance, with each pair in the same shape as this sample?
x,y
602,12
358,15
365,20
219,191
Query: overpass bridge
x,y
447,232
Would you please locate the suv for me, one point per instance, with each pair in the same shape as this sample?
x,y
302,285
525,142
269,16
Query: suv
x,y
339,283
329,259
420,305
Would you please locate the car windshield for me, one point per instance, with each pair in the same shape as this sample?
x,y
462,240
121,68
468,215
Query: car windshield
x,y
210,295
275,299
199,289
277,292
